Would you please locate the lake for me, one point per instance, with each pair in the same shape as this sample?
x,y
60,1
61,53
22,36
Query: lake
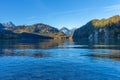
x,y
58,60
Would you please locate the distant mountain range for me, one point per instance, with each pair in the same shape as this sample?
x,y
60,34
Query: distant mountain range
x,y
8,24
94,29
100,29
67,31
40,30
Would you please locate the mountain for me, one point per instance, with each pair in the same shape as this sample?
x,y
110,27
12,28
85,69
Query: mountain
x,y
36,31
8,24
1,26
39,29
99,29
73,30
35,28
67,31
32,36
10,35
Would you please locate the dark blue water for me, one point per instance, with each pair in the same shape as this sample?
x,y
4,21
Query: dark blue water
x,y
57,60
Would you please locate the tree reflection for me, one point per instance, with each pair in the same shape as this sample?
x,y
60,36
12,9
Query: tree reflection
x,y
12,47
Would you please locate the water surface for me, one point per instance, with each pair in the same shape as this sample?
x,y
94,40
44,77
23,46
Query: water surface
x,y
58,60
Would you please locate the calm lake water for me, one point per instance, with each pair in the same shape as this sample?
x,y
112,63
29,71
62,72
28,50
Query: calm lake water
x,y
58,60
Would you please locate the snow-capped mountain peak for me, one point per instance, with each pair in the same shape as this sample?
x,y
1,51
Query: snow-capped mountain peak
x,y
8,24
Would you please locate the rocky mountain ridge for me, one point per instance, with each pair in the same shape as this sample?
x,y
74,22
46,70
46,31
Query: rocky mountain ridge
x,y
100,29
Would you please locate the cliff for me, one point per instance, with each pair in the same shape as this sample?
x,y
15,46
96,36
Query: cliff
x,y
99,29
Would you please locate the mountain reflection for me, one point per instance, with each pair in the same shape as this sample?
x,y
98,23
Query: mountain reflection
x,y
60,48
98,44
9,52
27,47
29,44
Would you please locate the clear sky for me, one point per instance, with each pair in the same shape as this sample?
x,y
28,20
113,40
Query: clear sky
x,y
57,13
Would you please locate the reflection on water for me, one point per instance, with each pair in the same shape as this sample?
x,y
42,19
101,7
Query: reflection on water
x,y
100,44
9,52
29,44
27,47
59,60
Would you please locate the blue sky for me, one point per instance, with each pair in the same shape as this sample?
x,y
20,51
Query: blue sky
x,y
57,13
